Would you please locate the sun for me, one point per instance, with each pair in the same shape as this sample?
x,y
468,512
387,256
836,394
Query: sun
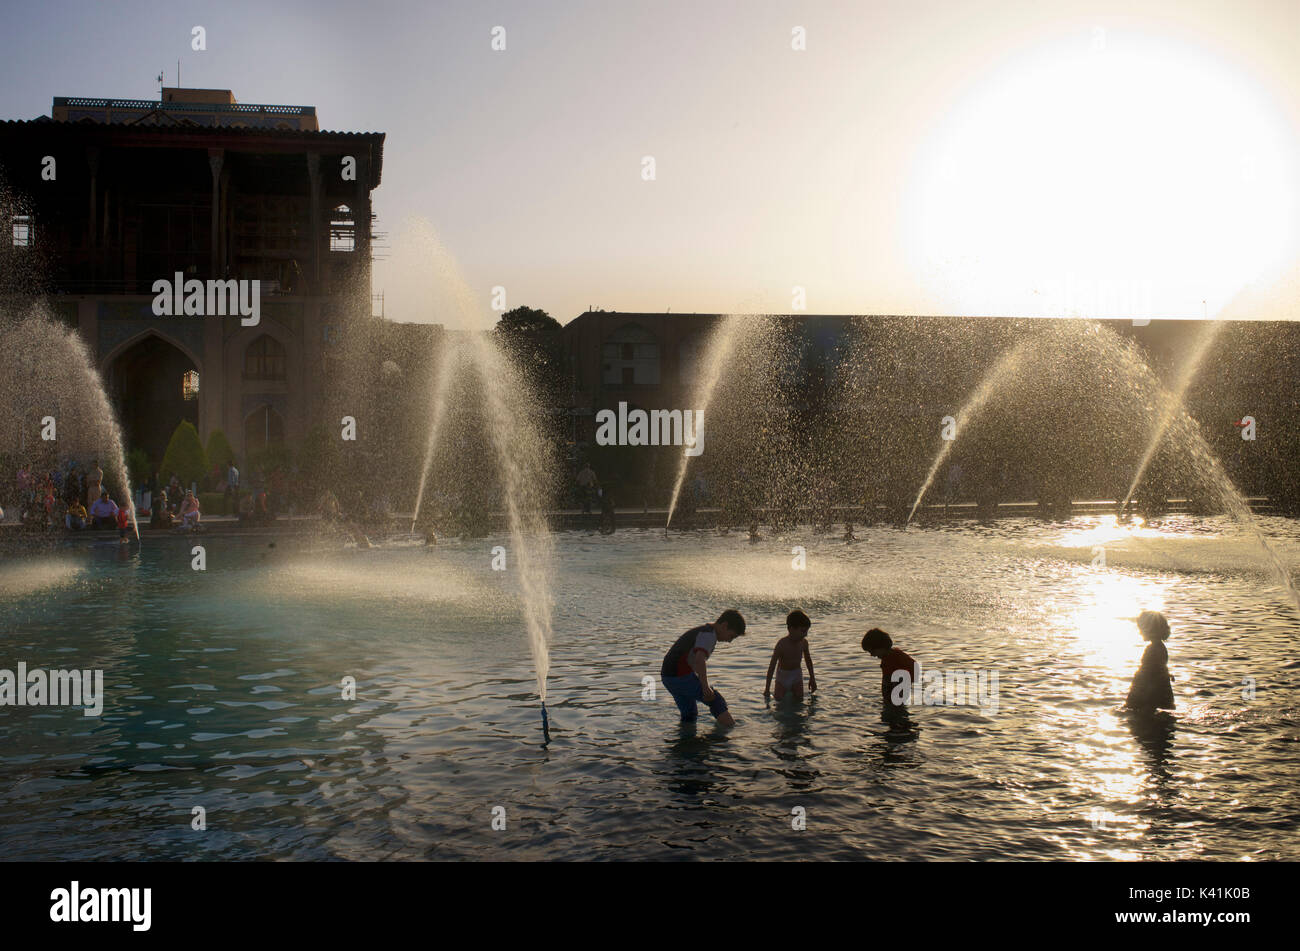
x,y
1104,176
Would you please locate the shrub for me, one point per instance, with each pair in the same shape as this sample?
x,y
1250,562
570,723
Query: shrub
x,y
138,469
185,455
220,452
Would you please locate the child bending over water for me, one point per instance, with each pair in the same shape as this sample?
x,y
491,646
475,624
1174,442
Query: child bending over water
x,y
1152,688
790,652
898,670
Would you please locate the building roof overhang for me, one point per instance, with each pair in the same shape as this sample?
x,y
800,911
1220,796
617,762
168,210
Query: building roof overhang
x,y
207,137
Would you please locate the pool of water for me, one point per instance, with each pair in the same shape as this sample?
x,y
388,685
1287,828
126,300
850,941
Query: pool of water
x,y
223,692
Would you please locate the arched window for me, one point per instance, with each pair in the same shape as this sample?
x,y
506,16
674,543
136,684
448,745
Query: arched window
x,y
265,360
630,356
263,428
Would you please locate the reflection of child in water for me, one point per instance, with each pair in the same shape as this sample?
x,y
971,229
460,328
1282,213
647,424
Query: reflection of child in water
x,y
1152,688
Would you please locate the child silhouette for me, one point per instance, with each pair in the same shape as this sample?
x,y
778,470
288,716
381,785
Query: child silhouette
x,y
1152,688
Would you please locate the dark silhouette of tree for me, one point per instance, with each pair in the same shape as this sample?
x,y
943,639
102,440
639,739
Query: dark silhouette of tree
x,y
531,337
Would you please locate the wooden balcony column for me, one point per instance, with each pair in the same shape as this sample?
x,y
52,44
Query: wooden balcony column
x,y
216,158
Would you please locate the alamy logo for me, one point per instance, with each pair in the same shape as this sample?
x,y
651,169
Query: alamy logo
x,y
195,298
950,688
659,427
103,904
55,688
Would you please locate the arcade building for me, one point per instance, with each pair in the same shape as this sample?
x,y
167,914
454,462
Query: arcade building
x,y
108,196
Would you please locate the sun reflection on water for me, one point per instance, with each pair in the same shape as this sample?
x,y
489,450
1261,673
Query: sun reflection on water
x,y
1103,613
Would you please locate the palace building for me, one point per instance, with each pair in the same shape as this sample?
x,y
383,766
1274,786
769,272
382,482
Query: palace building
x,y
109,196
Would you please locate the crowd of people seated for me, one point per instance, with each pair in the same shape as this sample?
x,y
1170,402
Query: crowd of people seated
x,y
70,495
76,497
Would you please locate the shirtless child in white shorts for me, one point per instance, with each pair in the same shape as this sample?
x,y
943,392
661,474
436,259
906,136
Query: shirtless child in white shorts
x,y
789,653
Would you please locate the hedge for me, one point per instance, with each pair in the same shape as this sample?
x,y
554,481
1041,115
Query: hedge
x,y
212,503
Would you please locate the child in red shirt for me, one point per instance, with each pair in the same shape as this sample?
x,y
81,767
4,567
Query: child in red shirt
x,y
898,670
123,523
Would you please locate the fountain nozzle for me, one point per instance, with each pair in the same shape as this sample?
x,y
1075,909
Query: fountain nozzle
x,y
546,725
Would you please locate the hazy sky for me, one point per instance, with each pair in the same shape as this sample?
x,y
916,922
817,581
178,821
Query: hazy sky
x,y
917,157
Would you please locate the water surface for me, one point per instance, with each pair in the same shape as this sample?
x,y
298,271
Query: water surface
x,y
223,692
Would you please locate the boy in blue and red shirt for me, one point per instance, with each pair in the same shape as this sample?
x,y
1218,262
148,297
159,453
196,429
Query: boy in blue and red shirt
x,y
685,672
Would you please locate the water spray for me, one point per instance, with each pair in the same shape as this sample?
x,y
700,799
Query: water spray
x,y
523,456
721,343
992,380
1173,405
438,409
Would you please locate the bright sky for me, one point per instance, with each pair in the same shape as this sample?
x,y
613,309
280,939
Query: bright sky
x,y
1119,159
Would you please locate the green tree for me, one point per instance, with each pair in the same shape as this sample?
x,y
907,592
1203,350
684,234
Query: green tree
x,y
527,322
138,469
532,339
184,455
220,452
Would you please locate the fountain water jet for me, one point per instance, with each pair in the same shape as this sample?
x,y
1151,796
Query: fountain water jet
x,y
1006,363
1173,406
59,378
1094,356
437,410
1186,430
721,344
518,448
524,458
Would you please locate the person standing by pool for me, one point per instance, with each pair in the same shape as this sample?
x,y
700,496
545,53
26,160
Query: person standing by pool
x,y
232,488
94,483
685,667
71,486
1152,687
587,485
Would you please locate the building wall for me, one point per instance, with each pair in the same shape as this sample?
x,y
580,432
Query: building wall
x,y
91,223
586,337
